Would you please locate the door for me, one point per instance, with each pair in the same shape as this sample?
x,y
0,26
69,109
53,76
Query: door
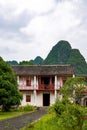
x,y
46,99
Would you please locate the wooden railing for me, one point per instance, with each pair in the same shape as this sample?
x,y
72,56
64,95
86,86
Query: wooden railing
x,y
46,87
38,87
23,87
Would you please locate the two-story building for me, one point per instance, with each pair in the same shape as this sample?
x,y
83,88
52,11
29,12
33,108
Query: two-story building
x,y
40,84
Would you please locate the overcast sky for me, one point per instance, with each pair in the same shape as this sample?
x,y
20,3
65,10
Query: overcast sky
x,y
30,28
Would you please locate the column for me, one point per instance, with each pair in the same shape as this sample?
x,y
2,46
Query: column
x,y
18,80
34,97
35,85
55,86
35,82
73,76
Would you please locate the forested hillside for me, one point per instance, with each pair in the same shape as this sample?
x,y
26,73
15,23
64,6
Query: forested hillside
x,y
62,53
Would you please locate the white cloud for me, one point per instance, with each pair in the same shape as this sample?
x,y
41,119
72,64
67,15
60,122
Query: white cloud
x,y
41,24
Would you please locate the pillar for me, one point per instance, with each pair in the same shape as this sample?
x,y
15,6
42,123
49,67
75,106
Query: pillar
x,y
35,85
34,97
55,86
73,76
18,80
35,82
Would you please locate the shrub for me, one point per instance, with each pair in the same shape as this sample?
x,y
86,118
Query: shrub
x,y
69,116
26,108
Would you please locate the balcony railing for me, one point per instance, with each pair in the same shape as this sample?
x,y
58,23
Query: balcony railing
x,y
39,87
46,87
23,87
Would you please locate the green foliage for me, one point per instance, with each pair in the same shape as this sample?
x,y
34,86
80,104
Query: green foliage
x,y
68,115
9,94
52,122
59,106
73,88
26,108
72,118
48,122
11,114
31,62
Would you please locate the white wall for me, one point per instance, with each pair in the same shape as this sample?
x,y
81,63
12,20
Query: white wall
x,y
23,102
52,98
39,99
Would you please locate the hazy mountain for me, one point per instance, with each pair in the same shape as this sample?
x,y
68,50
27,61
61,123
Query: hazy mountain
x,y
38,60
13,62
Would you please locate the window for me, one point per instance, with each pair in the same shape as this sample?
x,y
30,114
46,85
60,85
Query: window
x,y
28,98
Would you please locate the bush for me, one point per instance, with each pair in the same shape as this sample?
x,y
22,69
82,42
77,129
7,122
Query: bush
x,y
26,108
69,116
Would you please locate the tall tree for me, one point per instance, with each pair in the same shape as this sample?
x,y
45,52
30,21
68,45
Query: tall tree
x,y
9,94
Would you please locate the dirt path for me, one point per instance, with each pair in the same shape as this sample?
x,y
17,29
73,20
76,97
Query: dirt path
x,y
20,121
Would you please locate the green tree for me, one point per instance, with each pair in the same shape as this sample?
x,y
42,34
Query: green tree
x,y
9,94
31,62
73,88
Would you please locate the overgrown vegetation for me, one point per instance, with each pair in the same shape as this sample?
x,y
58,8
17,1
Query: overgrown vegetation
x,y
48,122
70,116
26,108
52,122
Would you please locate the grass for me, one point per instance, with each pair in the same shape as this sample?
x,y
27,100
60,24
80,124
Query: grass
x,y
7,115
48,122
15,113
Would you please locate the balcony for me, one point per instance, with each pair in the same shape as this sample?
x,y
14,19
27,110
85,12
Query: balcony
x,y
23,87
46,87
38,87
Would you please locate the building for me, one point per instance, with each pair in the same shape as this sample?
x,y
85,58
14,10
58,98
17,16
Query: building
x,y
40,84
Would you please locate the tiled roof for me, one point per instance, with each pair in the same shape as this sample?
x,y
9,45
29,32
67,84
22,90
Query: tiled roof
x,y
44,70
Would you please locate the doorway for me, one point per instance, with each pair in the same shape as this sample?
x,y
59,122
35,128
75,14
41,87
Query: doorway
x,y
46,99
